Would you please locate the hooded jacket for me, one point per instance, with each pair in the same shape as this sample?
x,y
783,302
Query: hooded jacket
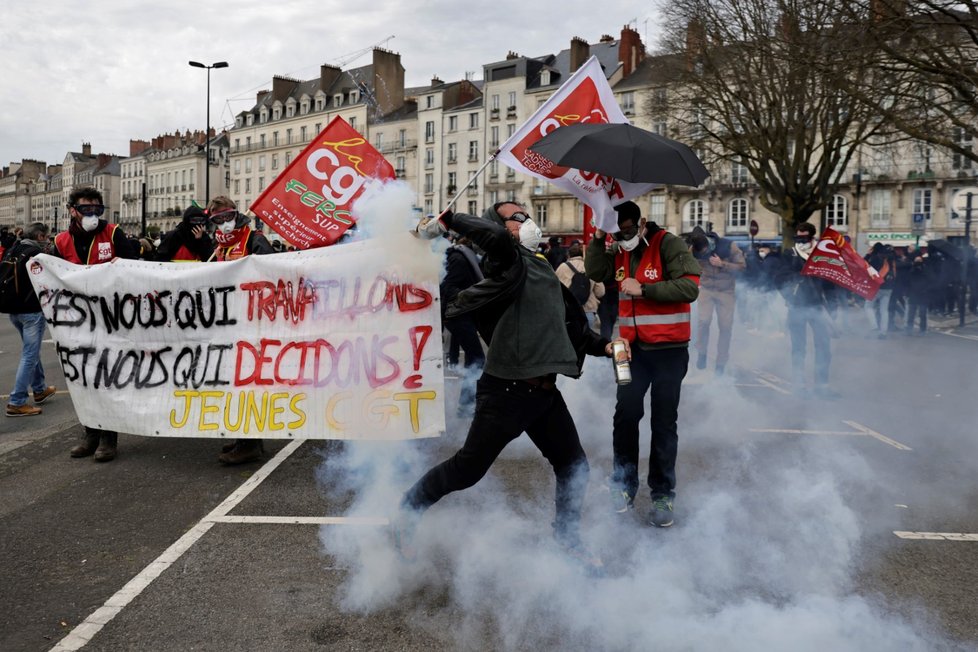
x,y
533,324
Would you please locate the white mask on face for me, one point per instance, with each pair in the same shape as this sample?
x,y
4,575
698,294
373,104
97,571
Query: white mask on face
x,y
631,243
89,222
530,235
227,227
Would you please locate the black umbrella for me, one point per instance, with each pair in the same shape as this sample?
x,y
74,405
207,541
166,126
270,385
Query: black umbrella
x,y
624,152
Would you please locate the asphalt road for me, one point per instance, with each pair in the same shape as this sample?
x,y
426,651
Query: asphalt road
x,y
800,525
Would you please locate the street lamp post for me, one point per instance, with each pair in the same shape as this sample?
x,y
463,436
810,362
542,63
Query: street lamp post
x,y
207,134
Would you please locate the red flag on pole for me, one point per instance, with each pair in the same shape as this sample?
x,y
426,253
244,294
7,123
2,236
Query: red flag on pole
x,y
309,203
834,259
584,97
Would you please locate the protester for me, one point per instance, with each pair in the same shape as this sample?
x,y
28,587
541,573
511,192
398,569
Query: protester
x,y
25,314
188,242
462,271
236,239
658,279
556,254
811,304
878,308
608,309
920,284
90,240
571,274
535,330
720,260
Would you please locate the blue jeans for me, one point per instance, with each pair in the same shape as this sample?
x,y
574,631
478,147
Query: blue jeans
x,y
30,374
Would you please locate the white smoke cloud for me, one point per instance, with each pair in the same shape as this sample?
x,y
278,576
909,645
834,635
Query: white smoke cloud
x,y
765,553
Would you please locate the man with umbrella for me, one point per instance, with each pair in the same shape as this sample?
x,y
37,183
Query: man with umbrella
x,y
657,279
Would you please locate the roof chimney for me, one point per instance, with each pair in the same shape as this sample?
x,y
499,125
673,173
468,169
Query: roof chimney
x,y
87,149
579,52
607,38
631,50
328,74
511,55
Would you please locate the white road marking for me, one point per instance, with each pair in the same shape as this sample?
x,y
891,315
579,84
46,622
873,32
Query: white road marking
x,y
964,337
304,520
936,536
83,633
858,430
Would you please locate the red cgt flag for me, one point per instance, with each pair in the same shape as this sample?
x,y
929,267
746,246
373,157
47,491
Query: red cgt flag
x,y
309,203
835,260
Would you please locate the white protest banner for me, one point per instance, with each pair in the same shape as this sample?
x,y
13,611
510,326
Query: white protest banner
x,y
585,97
341,342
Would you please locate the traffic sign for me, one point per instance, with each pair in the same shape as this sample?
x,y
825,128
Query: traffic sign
x,y
959,204
918,224
753,228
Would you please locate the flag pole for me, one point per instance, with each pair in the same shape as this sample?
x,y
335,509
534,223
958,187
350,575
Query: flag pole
x,y
471,179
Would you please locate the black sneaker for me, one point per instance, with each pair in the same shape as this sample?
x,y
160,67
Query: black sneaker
x,y
621,501
661,513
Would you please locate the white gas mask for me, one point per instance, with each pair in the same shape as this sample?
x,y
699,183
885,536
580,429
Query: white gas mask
x,y
89,222
530,234
631,243
227,227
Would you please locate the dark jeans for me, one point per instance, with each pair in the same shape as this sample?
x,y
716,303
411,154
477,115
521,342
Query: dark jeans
x,y
464,332
915,308
799,319
663,370
504,409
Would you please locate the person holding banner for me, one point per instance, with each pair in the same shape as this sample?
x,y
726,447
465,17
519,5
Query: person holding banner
x,y
188,242
236,239
658,279
535,330
90,240
811,304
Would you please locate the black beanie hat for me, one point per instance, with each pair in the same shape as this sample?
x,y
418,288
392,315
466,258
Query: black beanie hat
x,y
194,215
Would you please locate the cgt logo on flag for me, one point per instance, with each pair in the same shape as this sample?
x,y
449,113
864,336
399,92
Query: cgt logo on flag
x,y
309,203
835,260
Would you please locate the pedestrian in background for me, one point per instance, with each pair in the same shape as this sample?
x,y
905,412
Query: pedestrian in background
x,y
878,308
721,260
920,285
25,314
462,271
571,274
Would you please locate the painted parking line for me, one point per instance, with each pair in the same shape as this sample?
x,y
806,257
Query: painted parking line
x,y
937,536
858,430
83,633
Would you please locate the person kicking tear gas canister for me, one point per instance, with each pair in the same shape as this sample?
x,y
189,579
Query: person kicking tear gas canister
x,y
535,330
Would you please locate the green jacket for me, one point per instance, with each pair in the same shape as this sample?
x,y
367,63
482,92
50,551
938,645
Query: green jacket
x,y
678,262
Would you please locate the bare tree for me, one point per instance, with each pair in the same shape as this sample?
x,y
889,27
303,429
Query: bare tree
x,y
761,83
929,61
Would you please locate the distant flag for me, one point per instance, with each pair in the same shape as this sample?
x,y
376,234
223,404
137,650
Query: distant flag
x,y
835,260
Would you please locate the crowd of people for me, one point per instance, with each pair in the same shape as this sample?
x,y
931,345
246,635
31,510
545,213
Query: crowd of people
x,y
522,312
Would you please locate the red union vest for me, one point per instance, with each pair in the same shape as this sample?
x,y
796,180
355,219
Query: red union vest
x,y
184,255
102,250
649,321
238,250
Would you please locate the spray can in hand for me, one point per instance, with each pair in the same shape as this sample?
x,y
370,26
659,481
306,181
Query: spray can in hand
x,y
623,371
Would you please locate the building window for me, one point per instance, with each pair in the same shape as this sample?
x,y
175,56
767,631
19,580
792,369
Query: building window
x,y
261,163
962,138
473,121
429,182
399,165
737,215
738,174
429,157
379,140
628,103
837,213
453,123
261,183
288,158
494,137
540,214
248,165
473,150
320,103
659,127
922,202
428,204
288,136
452,152
694,214
429,101
248,184
237,166
274,161
353,122
452,181
495,103
657,209
402,137
261,141
473,207
879,207
237,186
302,133
429,131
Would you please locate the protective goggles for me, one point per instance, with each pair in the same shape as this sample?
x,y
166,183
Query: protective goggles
x,y
518,217
88,210
224,216
625,234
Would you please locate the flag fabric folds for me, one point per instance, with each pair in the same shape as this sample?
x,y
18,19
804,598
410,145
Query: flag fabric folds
x,y
835,260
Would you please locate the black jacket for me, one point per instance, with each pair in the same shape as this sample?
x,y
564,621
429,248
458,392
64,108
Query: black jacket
x,y
25,300
183,236
505,268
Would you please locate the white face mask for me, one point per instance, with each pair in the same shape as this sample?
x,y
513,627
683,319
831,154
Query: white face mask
x,y
762,255
89,222
530,235
631,243
227,227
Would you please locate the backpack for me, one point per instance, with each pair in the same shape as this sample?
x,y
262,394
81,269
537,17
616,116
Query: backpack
x,y
580,285
12,279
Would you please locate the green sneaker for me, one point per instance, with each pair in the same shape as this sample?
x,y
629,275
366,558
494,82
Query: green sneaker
x,y
621,501
661,513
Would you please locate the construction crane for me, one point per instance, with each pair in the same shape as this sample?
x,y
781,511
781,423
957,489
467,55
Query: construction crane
x,y
350,57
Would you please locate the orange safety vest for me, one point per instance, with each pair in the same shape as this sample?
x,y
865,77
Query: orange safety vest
x,y
101,250
237,250
639,318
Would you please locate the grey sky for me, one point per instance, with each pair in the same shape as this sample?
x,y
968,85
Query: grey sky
x,y
105,71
